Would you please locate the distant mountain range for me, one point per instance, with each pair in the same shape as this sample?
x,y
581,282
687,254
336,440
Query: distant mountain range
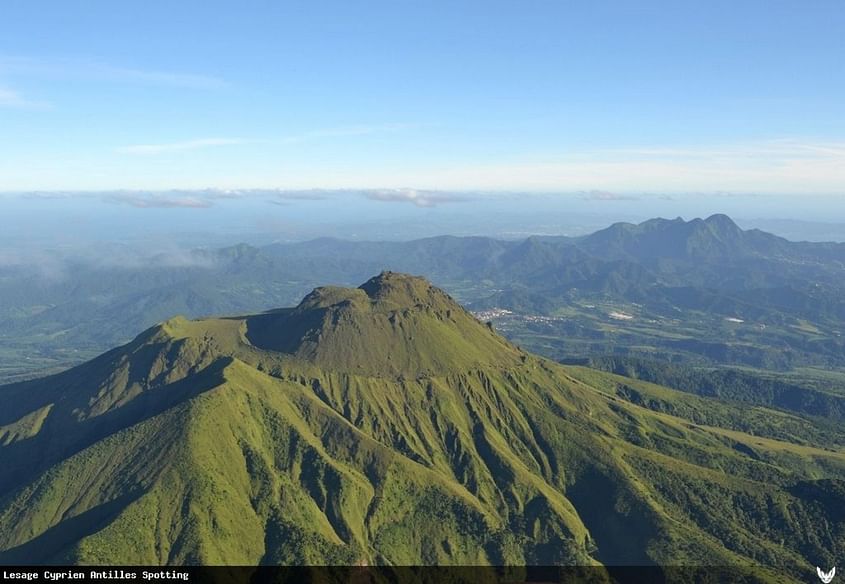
x,y
384,424
687,283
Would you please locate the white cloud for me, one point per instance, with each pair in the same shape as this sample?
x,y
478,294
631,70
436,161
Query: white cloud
x,y
153,149
788,167
187,80
94,70
161,201
13,99
413,196
196,144
776,167
347,131
597,195
339,132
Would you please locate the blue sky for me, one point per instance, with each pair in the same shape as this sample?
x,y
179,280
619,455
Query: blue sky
x,y
550,96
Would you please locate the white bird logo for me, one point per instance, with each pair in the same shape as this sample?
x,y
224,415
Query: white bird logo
x,y
826,577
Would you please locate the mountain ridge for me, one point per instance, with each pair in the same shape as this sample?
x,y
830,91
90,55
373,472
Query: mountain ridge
x,y
783,287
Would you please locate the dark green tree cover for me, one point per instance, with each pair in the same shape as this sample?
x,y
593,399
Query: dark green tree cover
x,y
755,388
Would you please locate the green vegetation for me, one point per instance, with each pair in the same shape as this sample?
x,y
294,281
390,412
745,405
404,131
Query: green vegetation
x,y
815,394
700,292
385,425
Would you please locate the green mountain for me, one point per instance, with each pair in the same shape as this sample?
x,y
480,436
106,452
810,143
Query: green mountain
x,y
384,424
686,282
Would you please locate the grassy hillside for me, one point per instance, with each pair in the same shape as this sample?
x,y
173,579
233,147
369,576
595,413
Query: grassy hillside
x,y
385,425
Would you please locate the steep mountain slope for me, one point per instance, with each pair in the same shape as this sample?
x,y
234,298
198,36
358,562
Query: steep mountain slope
x,y
384,424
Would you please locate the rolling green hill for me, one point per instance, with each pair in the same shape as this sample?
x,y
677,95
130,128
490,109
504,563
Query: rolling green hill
x,y
386,425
